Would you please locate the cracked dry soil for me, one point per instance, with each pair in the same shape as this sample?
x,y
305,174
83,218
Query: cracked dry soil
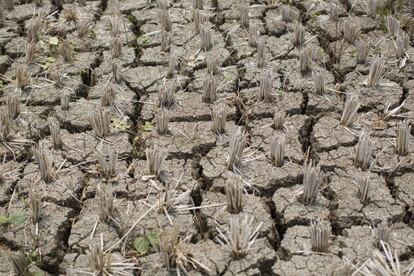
x,y
120,60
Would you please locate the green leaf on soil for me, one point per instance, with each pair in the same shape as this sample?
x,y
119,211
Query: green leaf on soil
x,y
53,41
147,126
4,220
18,218
120,124
143,39
142,245
153,238
38,273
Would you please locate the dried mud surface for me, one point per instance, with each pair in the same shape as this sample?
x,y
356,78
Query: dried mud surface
x,y
195,169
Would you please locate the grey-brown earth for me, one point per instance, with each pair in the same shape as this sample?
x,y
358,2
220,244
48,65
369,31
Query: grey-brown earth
x,y
120,58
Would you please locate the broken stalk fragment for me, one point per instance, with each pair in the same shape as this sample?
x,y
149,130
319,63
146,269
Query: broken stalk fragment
x,y
252,36
312,179
219,116
372,8
162,120
351,33
364,150
5,125
66,51
277,150
305,62
402,43
299,36
64,101
265,92
100,123
22,77
351,107
198,4
209,89
279,119
116,48
288,14
234,195
105,204
319,82
403,138
382,232
199,19
166,41
261,44
320,233
45,164
20,263
236,148
333,12
54,129
362,48
30,52
13,106
364,188
108,97
107,165
212,66
205,37
244,16
165,20
376,72
35,204
166,96
393,25
172,63
155,159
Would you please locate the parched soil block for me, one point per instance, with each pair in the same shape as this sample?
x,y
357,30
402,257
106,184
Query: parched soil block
x,y
53,227
64,188
292,211
214,208
328,134
314,264
390,162
297,241
405,189
358,242
350,211
294,128
293,80
189,106
44,93
119,183
6,266
10,173
103,32
259,175
227,78
186,139
220,262
125,60
145,78
291,102
125,98
176,173
373,98
340,158
77,117
237,37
